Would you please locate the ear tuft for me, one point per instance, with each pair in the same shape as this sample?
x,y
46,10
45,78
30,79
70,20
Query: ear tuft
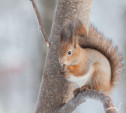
x,y
62,34
80,28
66,33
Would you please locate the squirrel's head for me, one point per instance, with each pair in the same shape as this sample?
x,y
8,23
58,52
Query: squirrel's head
x,y
68,53
69,47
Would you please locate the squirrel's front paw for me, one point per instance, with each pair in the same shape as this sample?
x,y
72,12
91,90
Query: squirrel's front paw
x,y
63,70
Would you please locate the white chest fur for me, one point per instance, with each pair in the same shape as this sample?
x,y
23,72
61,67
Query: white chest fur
x,y
81,80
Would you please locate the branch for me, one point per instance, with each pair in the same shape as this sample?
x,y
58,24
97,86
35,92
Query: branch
x,y
90,93
40,23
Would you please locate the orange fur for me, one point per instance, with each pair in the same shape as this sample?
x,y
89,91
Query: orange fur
x,y
96,40
76,70
80,30
99,81
90,50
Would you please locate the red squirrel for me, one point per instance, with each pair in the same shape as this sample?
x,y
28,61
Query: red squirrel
x,y
88,59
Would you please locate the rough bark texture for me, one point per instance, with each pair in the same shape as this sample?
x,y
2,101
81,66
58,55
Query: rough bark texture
x,y
54,88
92,94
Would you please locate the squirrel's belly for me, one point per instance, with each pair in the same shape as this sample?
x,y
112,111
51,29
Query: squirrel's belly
x,y
81,80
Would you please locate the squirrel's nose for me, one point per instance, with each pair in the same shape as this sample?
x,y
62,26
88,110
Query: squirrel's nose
x,y
61,62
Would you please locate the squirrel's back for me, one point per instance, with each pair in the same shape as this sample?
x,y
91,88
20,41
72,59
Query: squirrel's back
x,y
95,40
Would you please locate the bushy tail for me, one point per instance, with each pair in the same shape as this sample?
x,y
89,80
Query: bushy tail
x,y
96,40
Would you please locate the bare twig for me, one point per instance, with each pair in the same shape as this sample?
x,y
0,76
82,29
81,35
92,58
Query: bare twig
x,y
92,94
40,23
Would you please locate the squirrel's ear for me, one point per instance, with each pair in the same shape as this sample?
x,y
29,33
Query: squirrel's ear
x,y
62,34
80,28
74,41
66,34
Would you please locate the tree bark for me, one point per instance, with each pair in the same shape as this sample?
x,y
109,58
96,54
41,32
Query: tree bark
x,y
55,90
91,94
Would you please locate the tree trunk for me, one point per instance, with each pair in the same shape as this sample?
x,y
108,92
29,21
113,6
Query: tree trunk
x,y
55,90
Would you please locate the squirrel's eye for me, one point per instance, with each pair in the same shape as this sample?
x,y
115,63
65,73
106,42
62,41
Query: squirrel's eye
x,y
69,52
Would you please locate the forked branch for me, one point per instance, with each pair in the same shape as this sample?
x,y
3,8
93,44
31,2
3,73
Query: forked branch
x,y
40,23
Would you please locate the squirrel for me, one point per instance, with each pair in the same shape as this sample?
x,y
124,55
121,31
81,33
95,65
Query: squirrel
x,y
88,59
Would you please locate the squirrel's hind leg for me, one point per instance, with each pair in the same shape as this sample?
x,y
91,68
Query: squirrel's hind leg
x,y
78,90
85,87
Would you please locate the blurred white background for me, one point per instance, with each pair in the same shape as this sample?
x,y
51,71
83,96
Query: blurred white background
x,y
23,51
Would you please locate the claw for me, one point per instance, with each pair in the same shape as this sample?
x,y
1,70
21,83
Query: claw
x,y
84,88
76,92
